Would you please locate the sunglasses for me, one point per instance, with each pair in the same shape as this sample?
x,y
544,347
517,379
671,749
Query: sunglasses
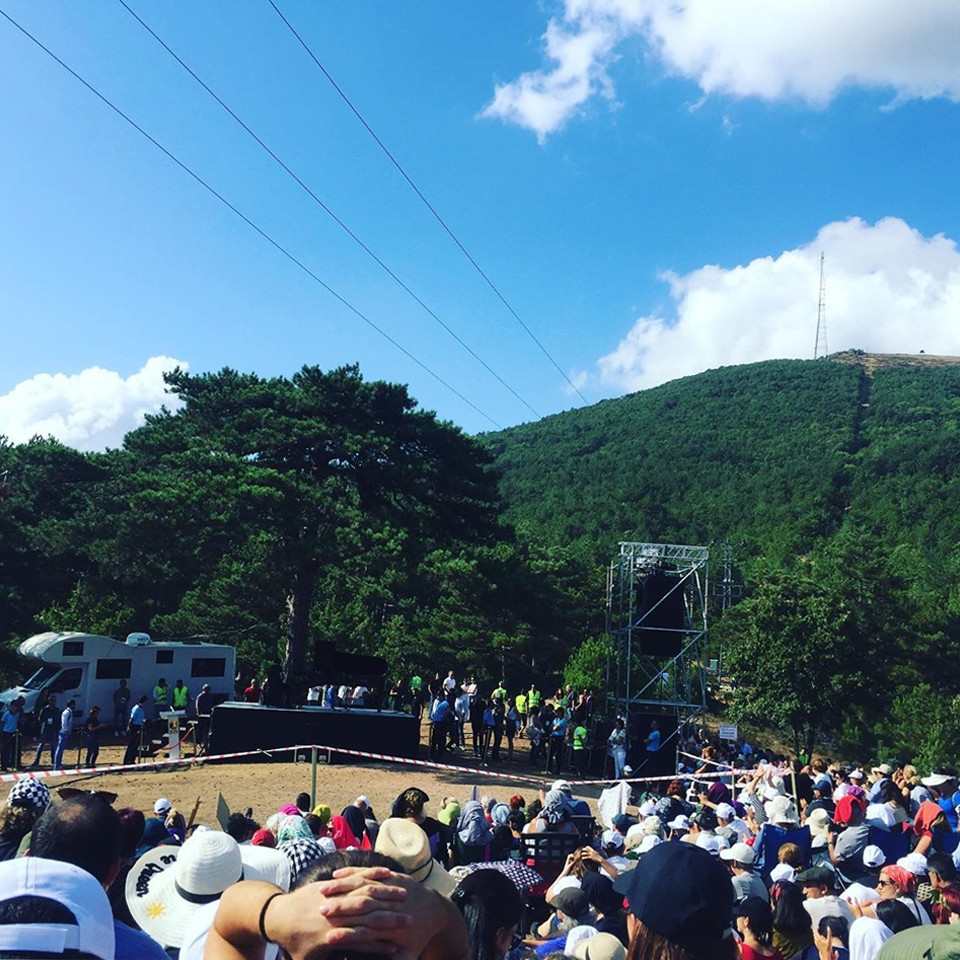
x,y
886,883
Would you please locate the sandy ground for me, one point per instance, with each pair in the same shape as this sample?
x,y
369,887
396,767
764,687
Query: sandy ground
x,y
265,785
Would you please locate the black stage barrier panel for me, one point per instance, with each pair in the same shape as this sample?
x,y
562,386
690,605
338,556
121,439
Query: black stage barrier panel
x,y
236,727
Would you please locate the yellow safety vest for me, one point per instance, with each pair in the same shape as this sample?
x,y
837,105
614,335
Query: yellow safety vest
x,y
160,696
180,695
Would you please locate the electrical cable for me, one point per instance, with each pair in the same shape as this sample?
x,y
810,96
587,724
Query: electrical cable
x,y
266,236
327,210
426,202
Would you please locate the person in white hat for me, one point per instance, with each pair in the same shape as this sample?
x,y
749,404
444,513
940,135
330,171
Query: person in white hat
x,y
71,912
740,859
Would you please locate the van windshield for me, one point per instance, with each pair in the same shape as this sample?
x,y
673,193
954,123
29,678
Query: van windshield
x,y
41,677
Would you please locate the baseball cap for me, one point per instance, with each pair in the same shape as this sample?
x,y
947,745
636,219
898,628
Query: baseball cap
x,y
739,853
873,856
162,806
571,901
73,888
610,838
755,909
936,780
725,811
682,822
682,893
709,842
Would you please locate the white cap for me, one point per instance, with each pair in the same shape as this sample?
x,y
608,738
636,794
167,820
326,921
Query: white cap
x,y
739,853
709,842
682,822
648,843
71,887
873,856
364,799
648,808
162,806
782,871
610,838
725,811
916,863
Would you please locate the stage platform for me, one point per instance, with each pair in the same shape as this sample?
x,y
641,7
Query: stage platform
x,y
249,726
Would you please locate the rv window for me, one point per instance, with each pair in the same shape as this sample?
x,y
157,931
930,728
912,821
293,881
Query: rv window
x,y
73,648
208,667
113,669
41,677
164,656
68,680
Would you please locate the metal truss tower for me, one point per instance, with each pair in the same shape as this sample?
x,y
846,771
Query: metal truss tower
x,y
636,677
821,317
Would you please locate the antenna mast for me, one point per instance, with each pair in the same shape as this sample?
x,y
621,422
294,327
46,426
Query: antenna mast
x,y
821,317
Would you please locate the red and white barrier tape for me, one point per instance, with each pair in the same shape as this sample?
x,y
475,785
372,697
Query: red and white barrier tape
x,y
386,758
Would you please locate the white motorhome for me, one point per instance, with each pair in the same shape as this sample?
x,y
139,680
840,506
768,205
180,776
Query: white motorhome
x,y
88,668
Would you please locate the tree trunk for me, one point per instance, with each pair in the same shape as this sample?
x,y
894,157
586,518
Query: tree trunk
x,y
299,601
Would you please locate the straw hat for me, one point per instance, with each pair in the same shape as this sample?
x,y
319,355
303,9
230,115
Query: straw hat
x,y
405,842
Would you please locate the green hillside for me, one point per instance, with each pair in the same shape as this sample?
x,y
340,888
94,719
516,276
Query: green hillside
x,y
775,455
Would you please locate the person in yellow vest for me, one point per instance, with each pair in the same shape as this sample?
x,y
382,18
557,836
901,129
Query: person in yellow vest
x,y
533,698
161,696
181,696
521,704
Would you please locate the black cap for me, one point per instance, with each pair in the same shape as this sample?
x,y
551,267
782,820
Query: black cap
x,y
682,893
571,901
756,910
816,876
623,822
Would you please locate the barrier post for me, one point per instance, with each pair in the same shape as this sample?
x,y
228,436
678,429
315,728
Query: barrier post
x,y
313,777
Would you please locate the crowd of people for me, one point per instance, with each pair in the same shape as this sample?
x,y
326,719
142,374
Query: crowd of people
x,y
735,857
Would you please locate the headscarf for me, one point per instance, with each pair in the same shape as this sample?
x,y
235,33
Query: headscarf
x,y
472,827
324,812
450,813
553,806
341,833
845,805
354,817
289,810
500,814
927,813
867,936
301,853
290,828
903,878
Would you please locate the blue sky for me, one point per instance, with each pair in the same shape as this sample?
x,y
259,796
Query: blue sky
x,y
649,184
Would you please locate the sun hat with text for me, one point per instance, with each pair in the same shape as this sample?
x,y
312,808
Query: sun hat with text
x,y
168,884
682,893
78,891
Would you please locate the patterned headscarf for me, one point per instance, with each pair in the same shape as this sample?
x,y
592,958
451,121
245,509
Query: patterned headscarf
x,y
290,828
301,853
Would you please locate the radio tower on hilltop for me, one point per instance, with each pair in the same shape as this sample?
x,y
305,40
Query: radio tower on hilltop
x,y
821,318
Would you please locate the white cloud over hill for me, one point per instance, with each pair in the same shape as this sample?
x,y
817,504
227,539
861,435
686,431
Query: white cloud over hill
x,y
889,289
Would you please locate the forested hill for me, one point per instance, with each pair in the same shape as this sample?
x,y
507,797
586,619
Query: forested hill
x,y
777,456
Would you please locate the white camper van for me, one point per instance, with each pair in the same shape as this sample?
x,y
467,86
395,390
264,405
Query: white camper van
x,y
88,668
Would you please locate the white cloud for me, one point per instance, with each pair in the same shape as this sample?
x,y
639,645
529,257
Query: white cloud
x,y
771,49
90,410
889,289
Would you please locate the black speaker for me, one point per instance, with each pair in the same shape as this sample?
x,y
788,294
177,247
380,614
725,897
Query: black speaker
x,y
662,616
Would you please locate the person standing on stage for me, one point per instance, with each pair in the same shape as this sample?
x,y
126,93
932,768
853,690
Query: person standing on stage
x,y
66,728
135,731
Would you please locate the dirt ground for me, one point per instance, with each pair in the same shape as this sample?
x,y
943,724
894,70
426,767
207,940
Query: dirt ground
x,y
265,785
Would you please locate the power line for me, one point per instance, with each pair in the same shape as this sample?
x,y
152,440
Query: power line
x,y
266,236
426,202
328,211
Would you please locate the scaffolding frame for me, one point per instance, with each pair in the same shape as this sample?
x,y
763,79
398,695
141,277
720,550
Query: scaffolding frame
x,y
668,683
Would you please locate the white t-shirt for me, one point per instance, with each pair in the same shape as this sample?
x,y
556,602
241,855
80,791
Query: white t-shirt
x,y
449,684
197,928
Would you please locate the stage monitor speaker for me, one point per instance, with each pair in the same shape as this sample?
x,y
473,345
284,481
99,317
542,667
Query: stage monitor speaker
x,y
662,616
